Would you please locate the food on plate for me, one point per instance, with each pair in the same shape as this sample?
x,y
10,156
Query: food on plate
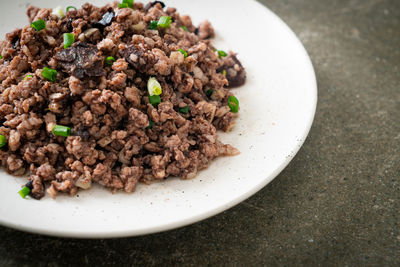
x,y
114,95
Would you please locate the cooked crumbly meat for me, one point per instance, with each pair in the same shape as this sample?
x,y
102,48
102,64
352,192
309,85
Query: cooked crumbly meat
x,y
32,12
118,138
205,30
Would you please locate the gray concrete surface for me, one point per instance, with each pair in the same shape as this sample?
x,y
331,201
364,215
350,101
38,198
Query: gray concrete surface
x,y
336,204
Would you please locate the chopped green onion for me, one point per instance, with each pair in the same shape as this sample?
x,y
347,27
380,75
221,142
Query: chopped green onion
x,y
27,77
69,39
154,87
153,25
123,5
71,7
221,53
151,123
128,2
185,54
3,140
184,28
38,25
59,12
61,130
224,72
209,92
24,191
110,61
49,74
233,104
154,99
184,110
1,57
164,22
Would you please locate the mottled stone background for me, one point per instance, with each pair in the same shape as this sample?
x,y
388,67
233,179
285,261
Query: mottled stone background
x,y
337,203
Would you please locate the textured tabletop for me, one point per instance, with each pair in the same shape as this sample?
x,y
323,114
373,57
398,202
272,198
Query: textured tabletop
x,y
337,203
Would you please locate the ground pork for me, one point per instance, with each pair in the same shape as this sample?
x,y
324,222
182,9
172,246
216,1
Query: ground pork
x,y
118,136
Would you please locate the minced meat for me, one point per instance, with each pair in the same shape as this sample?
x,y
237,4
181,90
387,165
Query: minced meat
x,y
118,138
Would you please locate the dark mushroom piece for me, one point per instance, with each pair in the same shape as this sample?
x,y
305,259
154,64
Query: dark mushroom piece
x,y
15,42
105,20
235,73
83,132
81,60
151,4
69,26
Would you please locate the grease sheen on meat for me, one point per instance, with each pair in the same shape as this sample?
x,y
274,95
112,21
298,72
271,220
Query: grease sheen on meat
x,y
118,138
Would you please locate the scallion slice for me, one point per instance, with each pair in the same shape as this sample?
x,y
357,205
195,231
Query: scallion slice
x,y
69,39
233,104
153,25
49,74
184,110
27,77
209,92
61,130
224,72
123,5
185,54
154,99
38,25
110,60
184,28
128,2
221,53
151,123
3,140
154,87
164,22
71,7
59,12
24,191
1,57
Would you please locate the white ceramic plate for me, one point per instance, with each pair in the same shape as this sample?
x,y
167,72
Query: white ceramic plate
x,y
277,108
